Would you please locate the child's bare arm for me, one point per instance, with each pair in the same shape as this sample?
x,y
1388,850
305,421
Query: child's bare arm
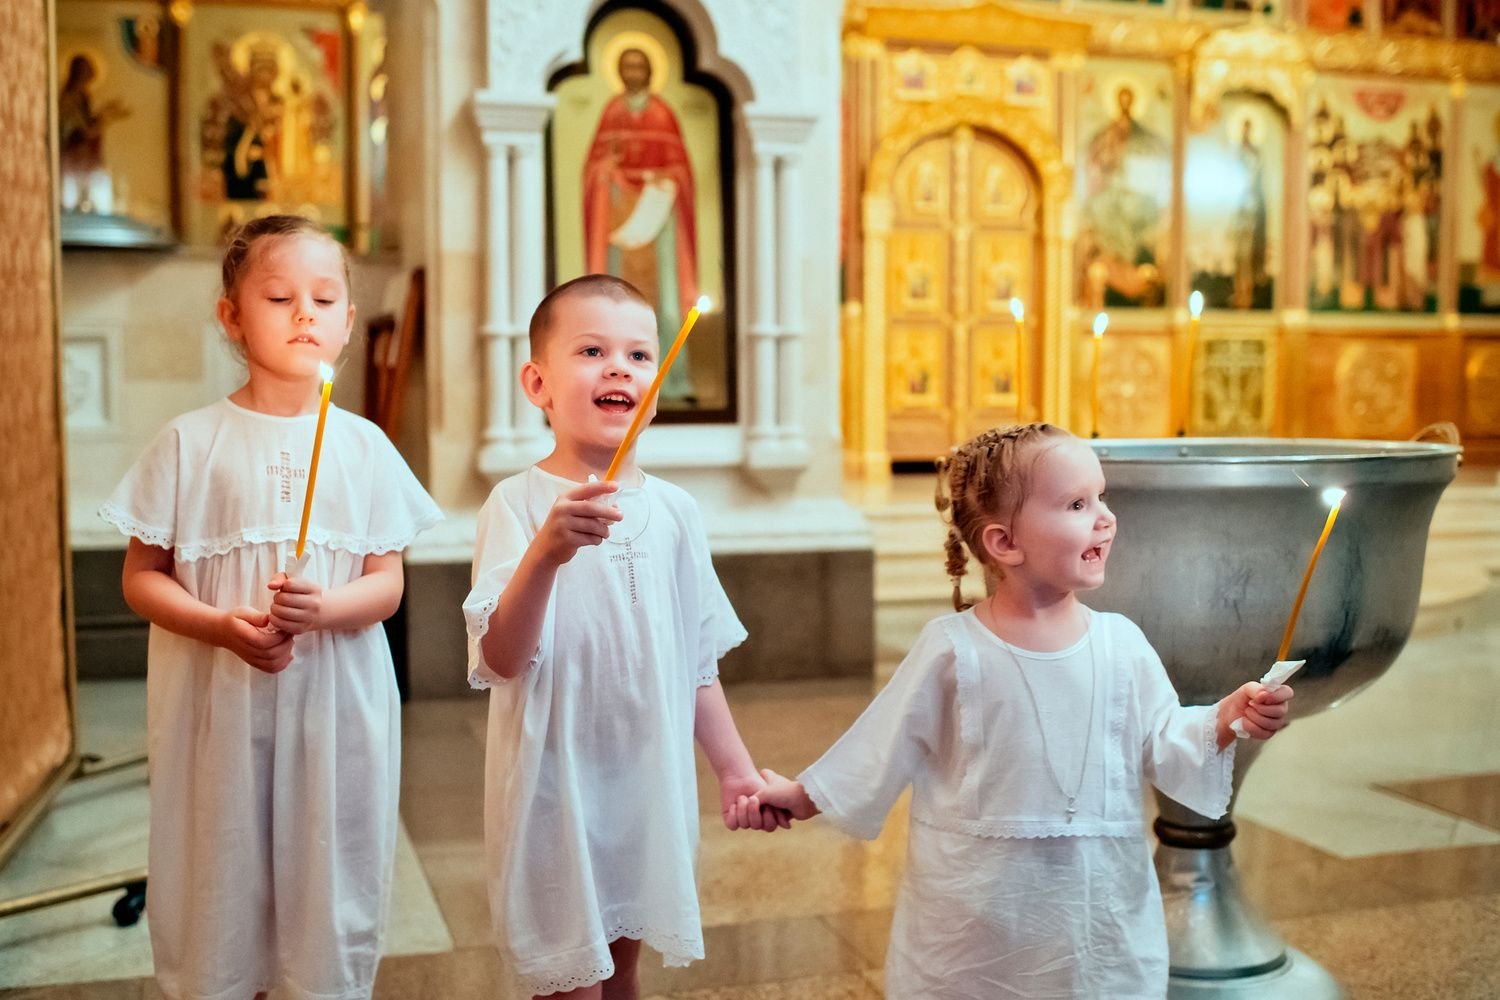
x,y
578,518
301,605
715,731
154,594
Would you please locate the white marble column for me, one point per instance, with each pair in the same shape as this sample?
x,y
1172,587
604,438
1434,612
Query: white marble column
x,y
791,324
514,435
763,305
776,440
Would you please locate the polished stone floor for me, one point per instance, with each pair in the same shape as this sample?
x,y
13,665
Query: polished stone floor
x,y
1369,836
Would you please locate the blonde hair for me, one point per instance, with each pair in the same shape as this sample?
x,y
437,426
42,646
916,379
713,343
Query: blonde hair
x,y
982,481
239,251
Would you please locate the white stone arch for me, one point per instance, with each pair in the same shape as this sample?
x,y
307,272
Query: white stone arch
x,y
754,49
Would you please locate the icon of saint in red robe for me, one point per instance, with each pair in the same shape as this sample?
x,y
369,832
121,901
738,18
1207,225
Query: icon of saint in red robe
x,y
638,221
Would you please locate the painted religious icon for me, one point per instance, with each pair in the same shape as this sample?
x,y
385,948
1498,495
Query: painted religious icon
x,y
266,118
112,111
1233,191
1125,182
1375,157
1335,15
1413,17
1479,203
637,171
1479,20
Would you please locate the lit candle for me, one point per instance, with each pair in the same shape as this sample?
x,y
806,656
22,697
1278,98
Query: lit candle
x,y
1195,310
1335,499
701,306
1101,323
1019,312
312,469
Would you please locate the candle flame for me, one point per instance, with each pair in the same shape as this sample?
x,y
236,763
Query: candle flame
x,y
1017,308
325,371
703,304
1101,323
1333,496
1195,304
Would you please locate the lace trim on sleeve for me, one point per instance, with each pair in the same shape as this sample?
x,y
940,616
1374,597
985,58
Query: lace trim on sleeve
x,y
162,538
477,623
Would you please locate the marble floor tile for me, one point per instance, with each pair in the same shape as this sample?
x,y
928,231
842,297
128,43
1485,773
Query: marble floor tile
x,y
1443,950
868,932
752,953
457,876
810,870
1474,797
851,986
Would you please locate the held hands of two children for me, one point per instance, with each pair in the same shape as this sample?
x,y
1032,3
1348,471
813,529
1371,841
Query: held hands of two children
x,y
577,518
788,795
742,808
1262,711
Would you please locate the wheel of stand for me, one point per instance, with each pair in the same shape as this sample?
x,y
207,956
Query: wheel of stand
x,y
128,908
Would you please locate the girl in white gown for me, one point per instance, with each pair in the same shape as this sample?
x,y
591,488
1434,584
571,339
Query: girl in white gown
x,y
273,723
1027,726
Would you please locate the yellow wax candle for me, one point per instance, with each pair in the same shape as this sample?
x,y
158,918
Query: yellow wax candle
x,y
1101,323
661,373
1019,312
312,468
1335,498
1195,311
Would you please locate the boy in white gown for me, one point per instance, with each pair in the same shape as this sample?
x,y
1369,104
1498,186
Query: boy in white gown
x,y
597,622
1027,726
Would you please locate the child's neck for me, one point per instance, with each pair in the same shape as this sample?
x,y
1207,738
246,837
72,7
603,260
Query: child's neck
x,y
577,463
278,397
1042,619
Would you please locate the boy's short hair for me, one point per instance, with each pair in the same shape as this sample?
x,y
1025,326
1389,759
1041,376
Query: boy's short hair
x,y
604,286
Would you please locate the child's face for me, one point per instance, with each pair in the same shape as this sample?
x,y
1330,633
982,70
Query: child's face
x,y
1064,529
292,308
599,359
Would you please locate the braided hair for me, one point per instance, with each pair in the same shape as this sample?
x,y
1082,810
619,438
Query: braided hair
x,y
980,481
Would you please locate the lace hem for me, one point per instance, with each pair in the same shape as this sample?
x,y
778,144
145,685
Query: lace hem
x,y
676,951
358,545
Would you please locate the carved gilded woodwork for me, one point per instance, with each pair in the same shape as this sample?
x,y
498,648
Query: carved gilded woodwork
x,y
1258,59
933,305
1375,389
1233,388
1135,368
1482,389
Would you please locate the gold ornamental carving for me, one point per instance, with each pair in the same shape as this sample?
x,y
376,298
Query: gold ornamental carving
x,y
978,22
1376,390
1256,59
1482,389
1020,128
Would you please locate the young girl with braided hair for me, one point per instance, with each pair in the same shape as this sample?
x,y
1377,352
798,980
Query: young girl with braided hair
x,y
1028,726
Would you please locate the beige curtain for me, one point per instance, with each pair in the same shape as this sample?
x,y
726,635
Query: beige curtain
x,y
36,718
